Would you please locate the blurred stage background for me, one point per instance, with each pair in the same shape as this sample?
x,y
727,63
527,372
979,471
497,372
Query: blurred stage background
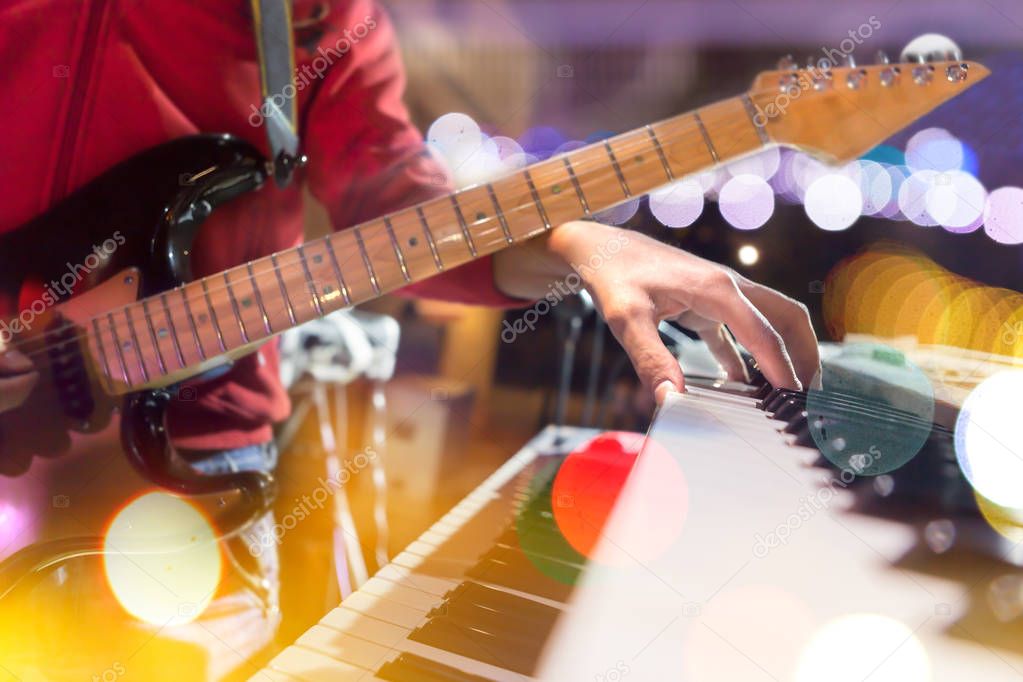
x,y
548,73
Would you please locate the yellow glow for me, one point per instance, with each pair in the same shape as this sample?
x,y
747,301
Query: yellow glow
x,y
162,560
864,646
1008,522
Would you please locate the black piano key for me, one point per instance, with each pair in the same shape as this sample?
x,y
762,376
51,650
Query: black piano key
x,y
789,409
541,543
512,568
471,597
503,649
797,423
412,668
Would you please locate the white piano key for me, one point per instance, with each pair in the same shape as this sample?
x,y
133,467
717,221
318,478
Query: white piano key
x,y
384,609
365,627
312,666
427,583
402,594
344,647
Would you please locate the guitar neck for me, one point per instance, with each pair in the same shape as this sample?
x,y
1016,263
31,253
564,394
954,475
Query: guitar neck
x,y
157,340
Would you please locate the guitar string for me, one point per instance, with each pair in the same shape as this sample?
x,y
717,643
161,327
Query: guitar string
x,y
742,119
689,132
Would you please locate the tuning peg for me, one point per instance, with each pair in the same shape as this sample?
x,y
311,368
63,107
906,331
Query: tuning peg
x,y
856,78
890,75
931,47
787,63
923,74
881,57
956,73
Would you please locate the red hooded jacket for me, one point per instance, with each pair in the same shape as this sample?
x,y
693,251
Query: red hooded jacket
x,y
91,83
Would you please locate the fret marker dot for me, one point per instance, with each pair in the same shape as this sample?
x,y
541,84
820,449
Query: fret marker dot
x,y
246,302
556,189
318,259
327,290
481,216
639,160
203,317
126,345
412,241
162,332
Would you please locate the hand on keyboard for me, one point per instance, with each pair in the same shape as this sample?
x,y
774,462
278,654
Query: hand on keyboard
x,y
647,281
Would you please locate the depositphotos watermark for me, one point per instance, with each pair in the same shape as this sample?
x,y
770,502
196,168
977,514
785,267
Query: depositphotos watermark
x,y
315,70
809,506
305,505
563,288
59,288
816,75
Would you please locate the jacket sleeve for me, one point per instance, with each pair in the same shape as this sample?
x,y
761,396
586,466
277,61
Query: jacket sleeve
x,y
366,158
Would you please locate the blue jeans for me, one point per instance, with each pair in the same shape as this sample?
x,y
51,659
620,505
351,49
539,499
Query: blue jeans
x,y
249,623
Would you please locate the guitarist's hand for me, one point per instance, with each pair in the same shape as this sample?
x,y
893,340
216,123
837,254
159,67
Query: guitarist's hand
x,y
637,282
17,378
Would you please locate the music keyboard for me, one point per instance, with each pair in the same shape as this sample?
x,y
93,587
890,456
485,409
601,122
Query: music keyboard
x,y
744,592
378,632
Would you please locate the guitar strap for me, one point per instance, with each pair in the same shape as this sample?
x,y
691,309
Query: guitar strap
x,y
271,23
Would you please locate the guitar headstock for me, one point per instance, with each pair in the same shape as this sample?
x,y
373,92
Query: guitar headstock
x,y
838,113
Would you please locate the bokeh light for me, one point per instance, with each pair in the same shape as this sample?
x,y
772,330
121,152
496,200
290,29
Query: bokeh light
x,y
748,254
833,202
678,204
162,559
864,646
588,487
746,201
913,197
989,439
956,201
873,409
1003,215
764,164
875,187
934,149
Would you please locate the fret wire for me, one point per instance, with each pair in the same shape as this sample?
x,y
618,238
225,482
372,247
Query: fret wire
x,y
259,299
309,281
536,199
103,355
367,262
117,345
284,289
173,330
660,152
706,137
617,168
578,188
462,225
191,323
500,215
337,270
429,238
237,311
751,111
213,314
397,249
152,337
134,340
734,124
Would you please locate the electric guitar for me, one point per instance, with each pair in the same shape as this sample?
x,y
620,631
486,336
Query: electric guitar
x,y
92,433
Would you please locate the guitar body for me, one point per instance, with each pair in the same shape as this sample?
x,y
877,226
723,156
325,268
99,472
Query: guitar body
x,y
72,453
